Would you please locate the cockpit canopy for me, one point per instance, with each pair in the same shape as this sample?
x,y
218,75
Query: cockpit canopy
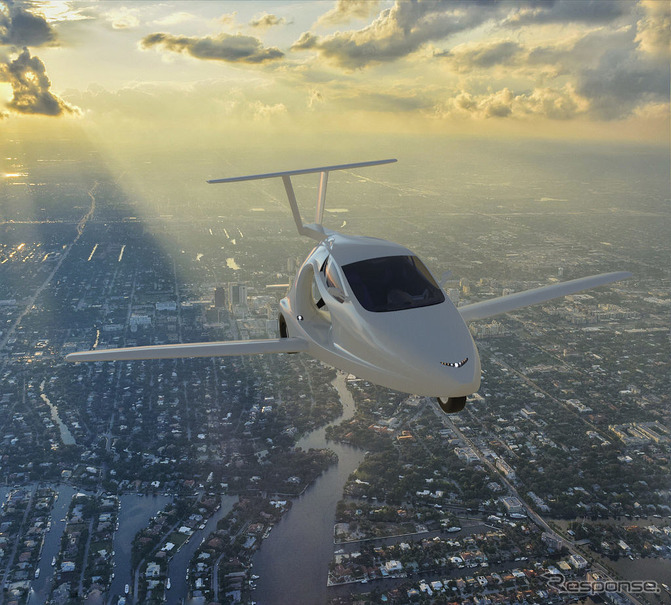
x,y
392,283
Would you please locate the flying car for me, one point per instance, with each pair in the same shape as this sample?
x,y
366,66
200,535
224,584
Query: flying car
x,y
369,307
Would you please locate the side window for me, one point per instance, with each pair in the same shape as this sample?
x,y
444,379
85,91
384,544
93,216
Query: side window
x,y
331,275
316,296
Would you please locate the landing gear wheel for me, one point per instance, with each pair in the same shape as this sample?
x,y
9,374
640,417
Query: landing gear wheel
x,y
451,405
284,329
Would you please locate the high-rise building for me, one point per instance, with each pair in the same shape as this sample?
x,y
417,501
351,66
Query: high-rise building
x,y
219,297
237,295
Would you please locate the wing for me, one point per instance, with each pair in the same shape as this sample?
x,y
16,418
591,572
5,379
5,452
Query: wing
x,y
488,308
196,349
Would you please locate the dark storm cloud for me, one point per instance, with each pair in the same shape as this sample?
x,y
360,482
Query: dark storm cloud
x,y
31,87
18,27
224,47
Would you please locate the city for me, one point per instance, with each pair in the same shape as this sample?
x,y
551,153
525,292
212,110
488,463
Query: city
x,y
533,149
158,481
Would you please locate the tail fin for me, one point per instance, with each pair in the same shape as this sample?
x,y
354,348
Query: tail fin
x,y
314,230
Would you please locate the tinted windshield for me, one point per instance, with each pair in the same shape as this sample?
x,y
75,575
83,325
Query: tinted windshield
x,y
392,283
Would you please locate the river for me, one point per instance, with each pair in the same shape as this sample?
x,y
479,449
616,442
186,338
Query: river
x,y
293,561
52,544
656,570
134,514
66,435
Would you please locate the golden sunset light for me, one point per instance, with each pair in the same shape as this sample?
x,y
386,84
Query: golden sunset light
x,y
335,302
585,70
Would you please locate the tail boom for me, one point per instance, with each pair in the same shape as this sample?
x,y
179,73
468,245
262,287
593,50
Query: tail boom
x,y
316,230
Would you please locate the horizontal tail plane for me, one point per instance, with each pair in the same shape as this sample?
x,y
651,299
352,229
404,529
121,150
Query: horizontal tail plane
x,y
270,175
314,230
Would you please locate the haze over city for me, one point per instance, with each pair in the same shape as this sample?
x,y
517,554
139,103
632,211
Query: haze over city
x,y
533,145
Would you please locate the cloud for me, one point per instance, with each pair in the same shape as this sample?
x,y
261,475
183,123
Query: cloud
x,y
465,58
569,55
267,21
568,11
498,105
553,103
621,83
228,19
346,10
266,112
606,60
224,47
18,27
654,29
604,67
31,85
305,42
315,99
408,25
123,18
600,94
397,32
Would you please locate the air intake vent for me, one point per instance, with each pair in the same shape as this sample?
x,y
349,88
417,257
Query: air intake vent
x,y
454,364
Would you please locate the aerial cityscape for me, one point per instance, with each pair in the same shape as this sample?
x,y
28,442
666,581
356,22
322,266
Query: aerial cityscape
x,y
276,479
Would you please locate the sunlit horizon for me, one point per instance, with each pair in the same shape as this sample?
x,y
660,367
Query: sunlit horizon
x,y
188,72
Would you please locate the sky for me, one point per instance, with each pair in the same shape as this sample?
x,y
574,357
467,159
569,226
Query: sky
x,y
126,72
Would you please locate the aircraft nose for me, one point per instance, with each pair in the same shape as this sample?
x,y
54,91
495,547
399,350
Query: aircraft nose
x,y
449,372
427,351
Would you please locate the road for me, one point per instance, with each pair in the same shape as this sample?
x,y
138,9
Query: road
x,y
31,301
531,513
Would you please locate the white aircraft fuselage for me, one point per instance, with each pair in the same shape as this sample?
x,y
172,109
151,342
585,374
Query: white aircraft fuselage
x,y
424,349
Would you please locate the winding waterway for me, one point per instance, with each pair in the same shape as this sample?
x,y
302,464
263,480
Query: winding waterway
x,y
52,544
293,561
134,514
66,435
